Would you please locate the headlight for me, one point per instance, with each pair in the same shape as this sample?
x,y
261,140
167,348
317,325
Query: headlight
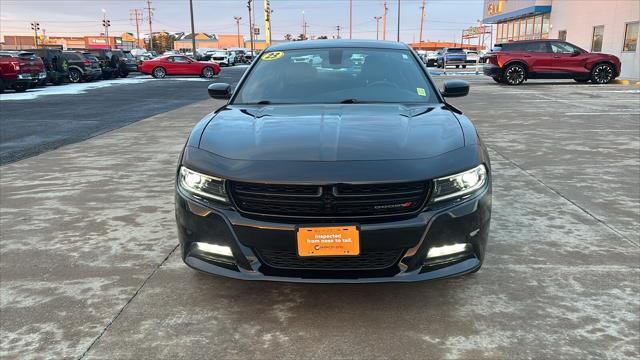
x,y
458,185
202,185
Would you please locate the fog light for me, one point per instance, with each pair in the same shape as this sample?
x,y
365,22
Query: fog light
x,y
438,251
214,249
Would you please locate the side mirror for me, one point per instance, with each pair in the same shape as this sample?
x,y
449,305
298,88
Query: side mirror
x,y
455,88
220,91
576,52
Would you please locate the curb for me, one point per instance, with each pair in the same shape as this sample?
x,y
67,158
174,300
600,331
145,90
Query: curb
x,y
626,82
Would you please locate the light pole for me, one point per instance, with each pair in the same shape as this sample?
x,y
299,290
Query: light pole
x,y
251,23
35,26
398,35
421,23
106,23
377,25
193,31
304,27
350,18
237,19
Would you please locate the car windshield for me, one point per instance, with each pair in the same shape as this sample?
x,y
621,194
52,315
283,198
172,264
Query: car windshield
x,y
455,50
335,75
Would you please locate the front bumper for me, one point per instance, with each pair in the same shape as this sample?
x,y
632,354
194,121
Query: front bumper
x,y
492,70
464,222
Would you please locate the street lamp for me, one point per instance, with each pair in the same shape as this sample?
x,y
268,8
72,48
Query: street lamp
x,y
377,25
106,24
237,19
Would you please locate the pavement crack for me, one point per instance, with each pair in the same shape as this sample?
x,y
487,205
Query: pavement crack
x,y
144,282
584,210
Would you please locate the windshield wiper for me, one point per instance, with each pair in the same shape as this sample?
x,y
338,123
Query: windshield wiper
x,y
262,102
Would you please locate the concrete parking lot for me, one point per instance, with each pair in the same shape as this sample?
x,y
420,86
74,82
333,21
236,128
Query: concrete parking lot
x,y
90,268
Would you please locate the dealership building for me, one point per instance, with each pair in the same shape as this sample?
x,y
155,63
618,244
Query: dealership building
x,y
607,26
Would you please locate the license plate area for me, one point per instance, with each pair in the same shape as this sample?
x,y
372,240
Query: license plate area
x,y
328,241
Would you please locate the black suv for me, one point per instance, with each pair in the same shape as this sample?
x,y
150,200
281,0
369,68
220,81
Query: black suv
x,y
121,61
82,67
55,64
108,63
130,61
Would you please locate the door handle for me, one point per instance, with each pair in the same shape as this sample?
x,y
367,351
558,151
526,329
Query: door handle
x,y
556,56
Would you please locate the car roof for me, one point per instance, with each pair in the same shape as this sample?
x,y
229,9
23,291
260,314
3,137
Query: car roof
x,y
529,41
320,44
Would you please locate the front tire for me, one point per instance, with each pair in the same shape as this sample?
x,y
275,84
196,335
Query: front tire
x,y
602,74
75,76
514,74
208,72
159,73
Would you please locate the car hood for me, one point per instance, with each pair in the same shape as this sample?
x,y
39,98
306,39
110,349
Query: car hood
x,y
332,132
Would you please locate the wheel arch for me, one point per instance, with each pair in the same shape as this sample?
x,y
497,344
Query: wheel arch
x,y
75,67
519,62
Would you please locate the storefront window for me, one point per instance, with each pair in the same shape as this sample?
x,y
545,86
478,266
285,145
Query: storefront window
x,y
523,23
630,37
545,26
537,30
529,28
596,42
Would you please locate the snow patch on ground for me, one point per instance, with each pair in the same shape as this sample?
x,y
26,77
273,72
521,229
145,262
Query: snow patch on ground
x,y
71,89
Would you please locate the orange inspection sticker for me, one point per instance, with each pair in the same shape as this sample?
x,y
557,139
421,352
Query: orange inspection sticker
x,y
421,92
274,55
329,241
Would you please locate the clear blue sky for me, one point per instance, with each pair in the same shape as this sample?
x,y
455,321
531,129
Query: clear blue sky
x,y
444,19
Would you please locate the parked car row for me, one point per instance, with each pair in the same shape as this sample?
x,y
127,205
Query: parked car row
x,y
24,69
455,56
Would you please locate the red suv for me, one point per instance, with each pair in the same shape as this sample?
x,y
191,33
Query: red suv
x,y
514,62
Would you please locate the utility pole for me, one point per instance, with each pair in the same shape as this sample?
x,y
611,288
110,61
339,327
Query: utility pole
x,y
251,23
398,35
350,18
35,26
267,22
193,31
421,23
136,15
377,25
237,19
150,15
384,22
338,28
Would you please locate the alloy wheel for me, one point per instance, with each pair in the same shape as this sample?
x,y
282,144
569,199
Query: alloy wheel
x,y
74,76
514,75
602,74
207,72
159,72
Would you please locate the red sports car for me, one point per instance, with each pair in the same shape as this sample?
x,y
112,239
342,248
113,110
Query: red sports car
x,y
178,65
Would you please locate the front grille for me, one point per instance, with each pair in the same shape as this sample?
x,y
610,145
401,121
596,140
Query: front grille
x,y
330,201
367,260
